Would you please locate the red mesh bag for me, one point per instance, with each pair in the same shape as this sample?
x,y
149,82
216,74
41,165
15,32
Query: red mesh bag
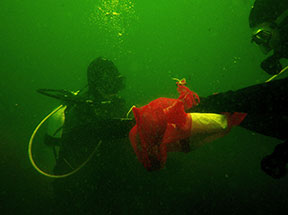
x,y
164,121
159,123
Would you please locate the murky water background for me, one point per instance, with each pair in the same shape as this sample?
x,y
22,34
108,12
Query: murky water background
x,y
49,44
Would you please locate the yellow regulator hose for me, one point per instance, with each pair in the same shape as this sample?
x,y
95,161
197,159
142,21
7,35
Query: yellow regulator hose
x,y
33,162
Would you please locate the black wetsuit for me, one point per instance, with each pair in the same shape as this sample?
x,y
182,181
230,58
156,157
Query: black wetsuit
x,y
95,188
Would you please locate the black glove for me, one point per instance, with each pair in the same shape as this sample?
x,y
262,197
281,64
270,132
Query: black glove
x,y
273,167
275,164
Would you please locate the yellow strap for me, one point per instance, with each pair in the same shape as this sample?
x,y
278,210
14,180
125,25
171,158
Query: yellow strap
x,y
129,111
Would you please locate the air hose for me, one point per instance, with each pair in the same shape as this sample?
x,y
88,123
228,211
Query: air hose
x,y
31,157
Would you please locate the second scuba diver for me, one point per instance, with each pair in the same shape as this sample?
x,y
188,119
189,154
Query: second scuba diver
x,y
92,116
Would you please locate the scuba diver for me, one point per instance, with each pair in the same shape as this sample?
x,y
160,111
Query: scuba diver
x,y
90,117
269,22
100,102
95,112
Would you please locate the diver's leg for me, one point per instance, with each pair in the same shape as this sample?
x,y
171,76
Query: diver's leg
x,y
270,97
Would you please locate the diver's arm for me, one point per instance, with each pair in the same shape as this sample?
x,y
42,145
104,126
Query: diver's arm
x,y
261,98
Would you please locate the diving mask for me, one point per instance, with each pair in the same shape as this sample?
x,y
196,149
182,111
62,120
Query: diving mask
x,y
263,38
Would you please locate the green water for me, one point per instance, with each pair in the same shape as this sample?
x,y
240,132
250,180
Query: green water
x,y
49,44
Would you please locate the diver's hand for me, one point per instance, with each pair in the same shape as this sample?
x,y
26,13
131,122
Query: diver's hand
x,y
273,166
271,65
